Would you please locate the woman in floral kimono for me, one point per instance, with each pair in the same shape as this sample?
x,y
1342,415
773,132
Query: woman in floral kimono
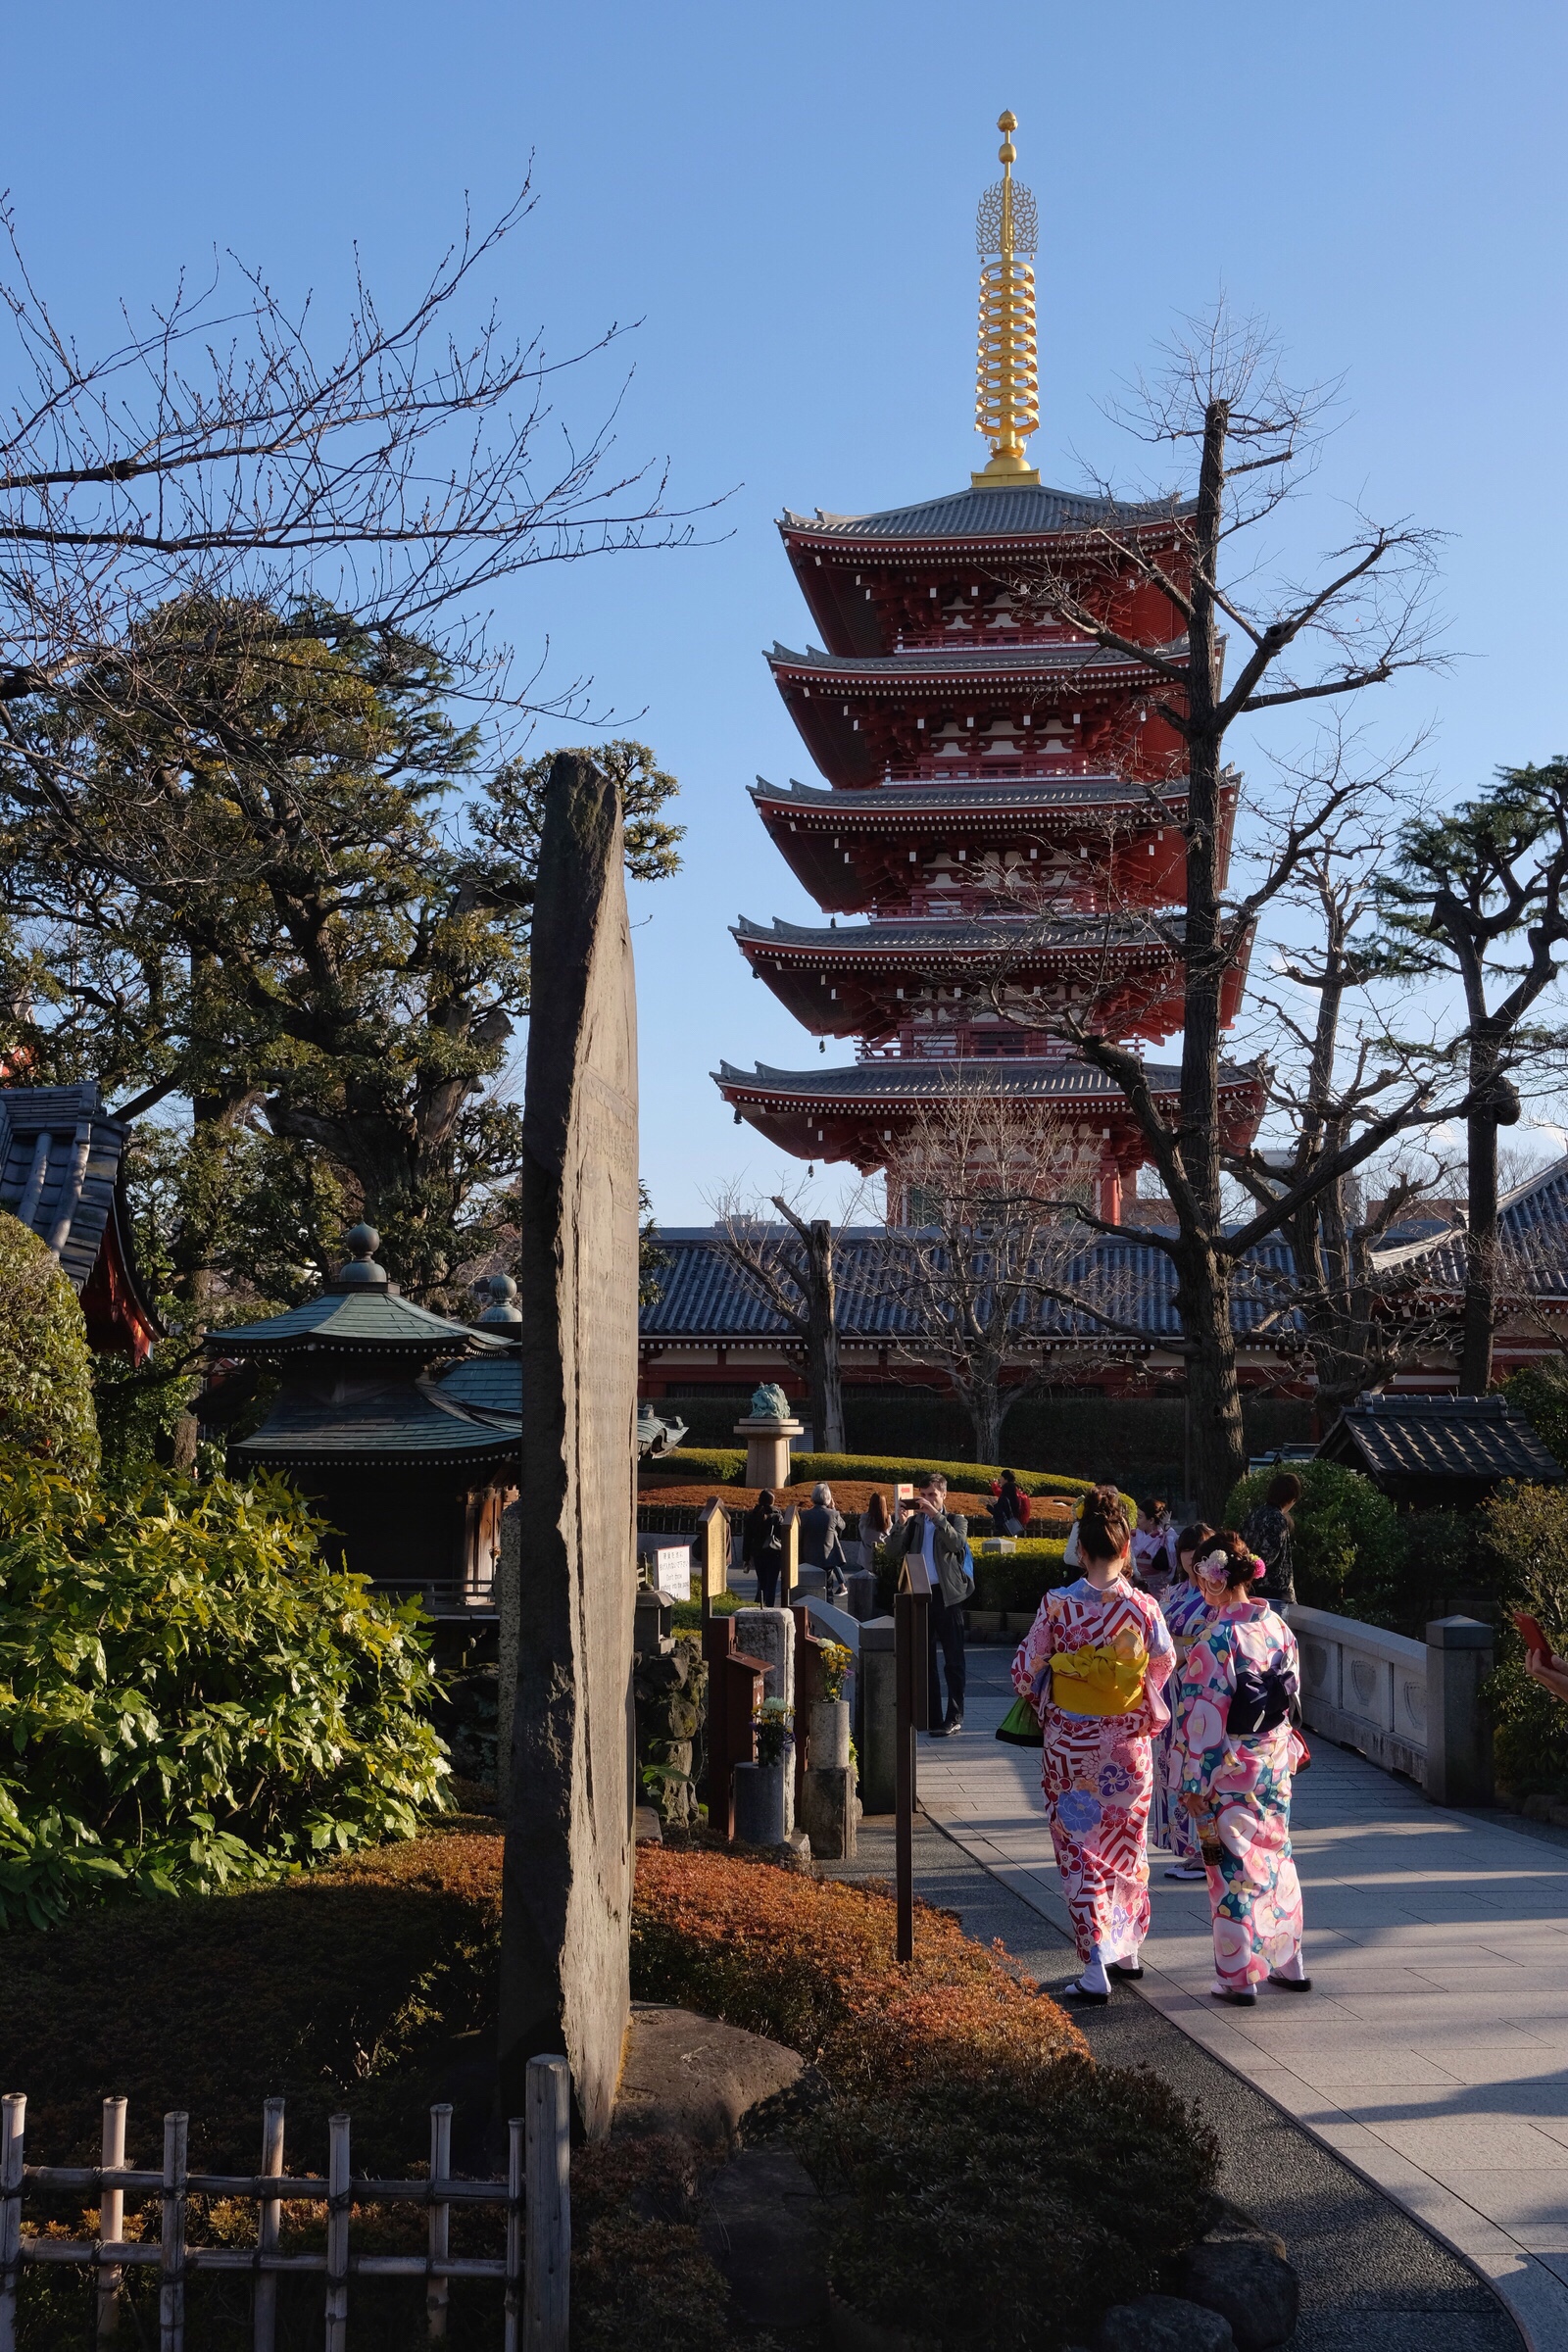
x,y
1187,1608
1093,1666
1236,1753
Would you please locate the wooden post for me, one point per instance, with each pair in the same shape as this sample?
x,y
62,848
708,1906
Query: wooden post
x,y
13,2127
714,1544
547,2262
172,2269
514,2303
438,2293
912,1673
269,2222
337,2233
110,2217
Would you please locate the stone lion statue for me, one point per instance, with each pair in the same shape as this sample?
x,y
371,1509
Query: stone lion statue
x,y
769,1403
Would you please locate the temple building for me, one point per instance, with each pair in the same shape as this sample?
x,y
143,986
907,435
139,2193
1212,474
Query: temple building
x,y
1002,800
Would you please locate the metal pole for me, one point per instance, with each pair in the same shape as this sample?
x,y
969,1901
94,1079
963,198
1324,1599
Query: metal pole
x,y
911,1676
438,2294
171,2270
547,2260
110,2217
337,2233
13,2127
268,2219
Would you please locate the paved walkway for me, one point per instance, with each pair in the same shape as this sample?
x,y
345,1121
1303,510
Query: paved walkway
x,y
1433,2054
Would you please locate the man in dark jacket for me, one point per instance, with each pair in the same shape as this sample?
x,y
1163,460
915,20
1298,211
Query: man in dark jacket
x,y
822,1538
944,1541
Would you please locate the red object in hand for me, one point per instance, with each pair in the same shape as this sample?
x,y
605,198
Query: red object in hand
x,y
1531,1634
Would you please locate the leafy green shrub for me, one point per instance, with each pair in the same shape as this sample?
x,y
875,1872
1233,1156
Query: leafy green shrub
x,y
1522,1535
1348,1547
1541,1393
1019,1579
45,1362
995,2213
189,1693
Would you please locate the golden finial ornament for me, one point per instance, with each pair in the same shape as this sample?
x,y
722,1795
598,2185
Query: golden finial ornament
x,y
1008,380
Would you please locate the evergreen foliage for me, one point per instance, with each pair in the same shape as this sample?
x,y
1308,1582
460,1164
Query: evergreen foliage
x,y
190,1695
45,1366
1523,1532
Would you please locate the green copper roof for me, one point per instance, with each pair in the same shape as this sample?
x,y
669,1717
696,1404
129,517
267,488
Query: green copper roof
x,y
360,1312
404,1423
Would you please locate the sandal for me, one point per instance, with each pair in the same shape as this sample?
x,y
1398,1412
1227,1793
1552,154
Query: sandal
x,y
1128,1971
1291,1983
1237,2001
1077,1992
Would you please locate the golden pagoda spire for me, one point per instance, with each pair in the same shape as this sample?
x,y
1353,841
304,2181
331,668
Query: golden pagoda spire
x,y
1008,382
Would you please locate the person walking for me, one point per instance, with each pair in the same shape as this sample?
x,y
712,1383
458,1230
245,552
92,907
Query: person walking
x,y
762,1546
1267,1532
1238,1751
943,1539
822,1539
1153,1560
1094,1664
1010,1505
1187,1608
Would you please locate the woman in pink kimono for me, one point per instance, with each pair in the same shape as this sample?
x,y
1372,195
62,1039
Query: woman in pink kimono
x,y
1237,1752
1093,1666
1186,1609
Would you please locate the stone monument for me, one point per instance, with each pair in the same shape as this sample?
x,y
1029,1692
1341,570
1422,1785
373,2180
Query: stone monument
x,y
767,1430
566,1889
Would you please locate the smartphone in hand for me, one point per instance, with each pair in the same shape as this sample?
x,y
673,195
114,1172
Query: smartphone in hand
x,y
1531,1634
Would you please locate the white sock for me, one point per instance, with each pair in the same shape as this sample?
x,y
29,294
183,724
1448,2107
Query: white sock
x,y
1294,1968
1091,1975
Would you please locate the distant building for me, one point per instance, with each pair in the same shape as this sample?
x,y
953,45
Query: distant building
x,y
62,1174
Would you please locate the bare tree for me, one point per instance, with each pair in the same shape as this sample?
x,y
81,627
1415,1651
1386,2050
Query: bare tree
x,y
1495,869
1250,436
791,1270
981,1242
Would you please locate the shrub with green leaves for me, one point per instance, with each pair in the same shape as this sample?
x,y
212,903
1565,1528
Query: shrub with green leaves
x,y
1523,1536
726,1466
190,1695
1541,1393
1348,1544
46,1363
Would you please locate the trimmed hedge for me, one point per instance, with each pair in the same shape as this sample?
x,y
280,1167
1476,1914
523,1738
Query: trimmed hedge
x,y
726,1466
1020,1580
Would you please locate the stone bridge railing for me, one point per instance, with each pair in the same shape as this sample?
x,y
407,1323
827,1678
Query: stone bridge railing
x,y
1410,1706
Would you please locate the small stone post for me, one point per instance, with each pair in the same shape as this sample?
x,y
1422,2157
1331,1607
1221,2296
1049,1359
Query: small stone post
x,y
1459,1734
769,1633
878,1693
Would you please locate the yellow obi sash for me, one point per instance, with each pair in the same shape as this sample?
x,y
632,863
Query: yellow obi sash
x,y
1098,1679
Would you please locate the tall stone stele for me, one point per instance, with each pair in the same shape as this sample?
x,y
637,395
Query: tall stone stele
x,y
567,1901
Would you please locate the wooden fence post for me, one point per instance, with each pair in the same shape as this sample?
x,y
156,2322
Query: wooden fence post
x,y
13,2126
547,2262
513,2307
110,2217
171,2270
438,2294
337,2233
269,2218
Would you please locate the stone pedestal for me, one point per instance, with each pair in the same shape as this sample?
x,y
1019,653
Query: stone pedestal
x,y
1458,1735
767,1449
829,1813
827,1742
762,1794
769,1635
860,1593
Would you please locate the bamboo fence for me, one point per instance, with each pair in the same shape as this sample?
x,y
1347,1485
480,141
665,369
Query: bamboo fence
x,y
536,2195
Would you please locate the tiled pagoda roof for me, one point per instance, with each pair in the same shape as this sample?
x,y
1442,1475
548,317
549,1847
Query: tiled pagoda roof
x,y
896,806
404,1423
913,1080
937,936
938,667
968,517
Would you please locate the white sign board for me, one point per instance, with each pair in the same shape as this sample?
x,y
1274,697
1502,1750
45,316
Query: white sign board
x,y
669,1568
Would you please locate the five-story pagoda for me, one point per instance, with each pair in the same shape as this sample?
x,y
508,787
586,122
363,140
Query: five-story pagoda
x,y
1005,801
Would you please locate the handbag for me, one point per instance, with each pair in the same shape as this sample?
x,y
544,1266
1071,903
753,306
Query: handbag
x,y
1020,1726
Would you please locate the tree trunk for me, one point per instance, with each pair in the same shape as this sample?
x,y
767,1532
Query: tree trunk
x,y
822,1339
1214,1415
1481,1220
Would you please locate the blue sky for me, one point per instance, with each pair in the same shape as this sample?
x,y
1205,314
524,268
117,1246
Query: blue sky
x,y
785,199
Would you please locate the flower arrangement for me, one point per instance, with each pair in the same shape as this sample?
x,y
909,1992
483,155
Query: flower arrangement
x,y
837,1663
774,1724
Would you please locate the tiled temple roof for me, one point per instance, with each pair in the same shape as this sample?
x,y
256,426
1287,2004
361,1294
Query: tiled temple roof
x,y
980,796
911,1081
1415,1442
59,1156
1026,512
984,934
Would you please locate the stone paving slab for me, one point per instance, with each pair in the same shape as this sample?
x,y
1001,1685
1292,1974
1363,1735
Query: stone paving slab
x,y
1372,2278
1433,2053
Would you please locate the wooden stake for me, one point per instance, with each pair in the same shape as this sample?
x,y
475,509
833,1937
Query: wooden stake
x,y
515,2161
547,2261
172,2273
13,2127
111,2217
438,2294
337,2233
269,2221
